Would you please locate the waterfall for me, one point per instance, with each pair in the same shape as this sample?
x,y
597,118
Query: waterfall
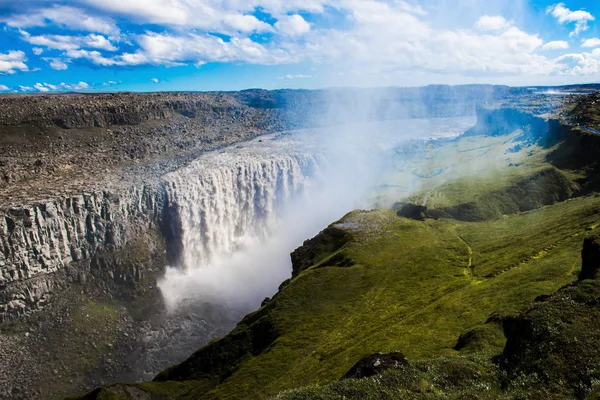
x,y
224,200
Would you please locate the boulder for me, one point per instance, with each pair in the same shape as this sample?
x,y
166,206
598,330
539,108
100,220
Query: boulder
x,y
376,364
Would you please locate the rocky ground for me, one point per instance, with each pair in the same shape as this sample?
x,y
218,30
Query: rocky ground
x,y
93,338
59,144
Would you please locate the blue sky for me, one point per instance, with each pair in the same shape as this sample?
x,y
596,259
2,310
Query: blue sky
x,y
160,45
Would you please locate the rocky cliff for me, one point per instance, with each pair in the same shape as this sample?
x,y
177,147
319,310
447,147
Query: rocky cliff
x,y
81,176
39,240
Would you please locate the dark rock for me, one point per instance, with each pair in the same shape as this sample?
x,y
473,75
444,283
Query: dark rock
x,y
590,257
376,364
318,248
412,211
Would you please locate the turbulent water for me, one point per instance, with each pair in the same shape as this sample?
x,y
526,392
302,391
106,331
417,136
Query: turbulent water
x,y
228,199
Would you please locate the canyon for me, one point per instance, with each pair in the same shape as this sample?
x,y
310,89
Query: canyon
x,y
119,212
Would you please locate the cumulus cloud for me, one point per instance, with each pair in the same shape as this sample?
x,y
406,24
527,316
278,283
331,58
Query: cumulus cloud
x,y
594,42
492,24
4,88
63,42
41,87
292,25
377,37
12,62
56,63
45,87
556,45
37,51
166,49
565,16
586,63
62,16
155,80
110,83
75,86
210,15
207,12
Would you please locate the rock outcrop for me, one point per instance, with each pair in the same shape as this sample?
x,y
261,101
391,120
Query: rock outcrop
x,y
590,257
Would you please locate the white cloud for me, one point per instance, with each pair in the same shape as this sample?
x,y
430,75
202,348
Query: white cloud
x,y
98,42
492,24
56,63
165,49
556,45
110,83
4,88
62,42
12,62
378,37
566,16
41,87
62,16
74,86
297,76
37,51
386,40
155,80
246,23
292,25
594,42
210,15
586,63
48,87
95,57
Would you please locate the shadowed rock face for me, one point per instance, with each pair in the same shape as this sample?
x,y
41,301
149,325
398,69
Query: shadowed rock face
x,y
39,240
590,257
412,211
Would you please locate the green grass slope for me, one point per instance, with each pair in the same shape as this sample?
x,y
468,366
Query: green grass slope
x,y
438,290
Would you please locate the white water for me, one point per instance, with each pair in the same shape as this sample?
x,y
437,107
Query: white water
x,y
244,209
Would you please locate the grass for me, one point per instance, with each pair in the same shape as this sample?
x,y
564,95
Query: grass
x,y
407,286
411,289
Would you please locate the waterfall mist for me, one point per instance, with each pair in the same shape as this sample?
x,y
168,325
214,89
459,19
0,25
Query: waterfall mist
x,y
242,211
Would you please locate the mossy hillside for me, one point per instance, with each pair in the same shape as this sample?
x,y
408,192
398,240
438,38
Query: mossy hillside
x,y
403,285
558,342
413,287
445,378
552,352
460,170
